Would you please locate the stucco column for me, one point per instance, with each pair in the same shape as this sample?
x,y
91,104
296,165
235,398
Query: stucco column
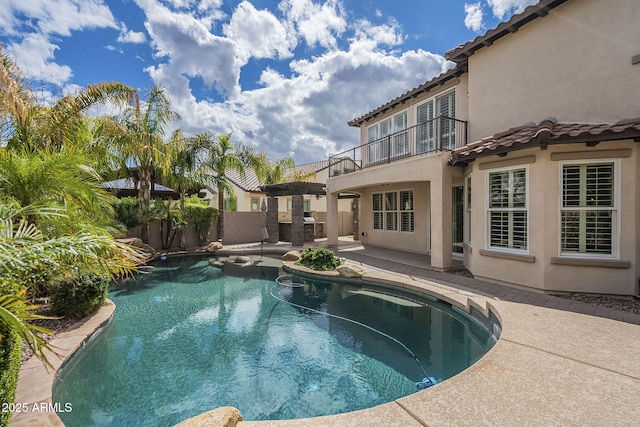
x,y
297,221
332,219
441,220
272,220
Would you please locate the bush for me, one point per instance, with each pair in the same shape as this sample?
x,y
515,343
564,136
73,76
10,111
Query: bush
x,y
10,358
318,259
80,296
200,216
126,210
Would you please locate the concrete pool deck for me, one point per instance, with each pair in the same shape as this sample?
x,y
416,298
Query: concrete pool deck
x,y
557,362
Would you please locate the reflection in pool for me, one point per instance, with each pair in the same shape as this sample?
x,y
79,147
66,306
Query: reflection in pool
x,y
189,337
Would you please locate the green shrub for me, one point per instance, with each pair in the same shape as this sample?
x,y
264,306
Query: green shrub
x,y
80,296
10,358
126,210
200,217
318,259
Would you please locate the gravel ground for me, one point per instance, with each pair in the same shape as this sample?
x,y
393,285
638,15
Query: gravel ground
x,y
629,304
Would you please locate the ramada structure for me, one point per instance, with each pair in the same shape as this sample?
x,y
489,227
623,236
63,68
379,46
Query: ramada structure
x,y
522,160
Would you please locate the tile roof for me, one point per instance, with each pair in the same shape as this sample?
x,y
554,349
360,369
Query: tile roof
x,y
547,132
251,183
425,87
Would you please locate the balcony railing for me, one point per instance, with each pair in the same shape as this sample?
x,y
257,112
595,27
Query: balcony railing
x,y
439,134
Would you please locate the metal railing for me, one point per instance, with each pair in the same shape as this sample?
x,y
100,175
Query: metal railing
x,y
439,134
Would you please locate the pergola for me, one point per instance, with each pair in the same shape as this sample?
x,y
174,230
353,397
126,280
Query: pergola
x,y
296,190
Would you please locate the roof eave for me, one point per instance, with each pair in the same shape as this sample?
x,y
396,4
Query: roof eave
x,y
461,53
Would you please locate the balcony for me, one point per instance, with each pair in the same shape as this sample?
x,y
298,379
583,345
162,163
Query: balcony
x,y
439,134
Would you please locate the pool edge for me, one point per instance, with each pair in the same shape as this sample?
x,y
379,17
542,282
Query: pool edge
x,y
35,381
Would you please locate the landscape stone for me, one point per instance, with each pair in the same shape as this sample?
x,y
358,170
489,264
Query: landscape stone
x,y
350,271
291,256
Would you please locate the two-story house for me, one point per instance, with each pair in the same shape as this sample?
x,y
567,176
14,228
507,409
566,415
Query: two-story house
x,y
522,160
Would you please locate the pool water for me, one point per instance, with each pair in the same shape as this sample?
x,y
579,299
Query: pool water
x,y
188,337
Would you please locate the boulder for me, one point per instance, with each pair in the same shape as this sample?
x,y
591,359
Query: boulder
x,y
243,259
291,256
213,246
147,251
350,271
215,262
225,416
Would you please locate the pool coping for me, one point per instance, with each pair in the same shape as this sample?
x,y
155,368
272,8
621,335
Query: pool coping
x,y
549,367
35,381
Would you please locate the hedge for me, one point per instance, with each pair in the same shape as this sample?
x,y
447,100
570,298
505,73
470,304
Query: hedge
x,y
10,359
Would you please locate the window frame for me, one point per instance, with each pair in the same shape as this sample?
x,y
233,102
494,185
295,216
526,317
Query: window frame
x,y
381,217
489,209
615,209
257,200
467,209
379,151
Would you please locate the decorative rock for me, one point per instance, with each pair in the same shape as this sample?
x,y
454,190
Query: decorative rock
x,y
213,246
136,242
242,259
226,416
350,271
215,262
291,256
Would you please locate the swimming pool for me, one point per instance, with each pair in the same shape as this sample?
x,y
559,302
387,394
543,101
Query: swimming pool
x,y
188,337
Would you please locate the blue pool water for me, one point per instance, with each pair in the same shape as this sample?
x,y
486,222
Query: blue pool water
x,y
188,337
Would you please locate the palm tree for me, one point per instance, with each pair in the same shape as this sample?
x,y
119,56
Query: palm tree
x,y
137,135
24,247
281,171
223,156
25,124
187,171
63,179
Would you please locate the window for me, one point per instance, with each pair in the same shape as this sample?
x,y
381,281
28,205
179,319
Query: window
x,y
306,207
380,148
588,214
289,204
255,204
393,211
378,214
467,205
434,133
508,212
406,211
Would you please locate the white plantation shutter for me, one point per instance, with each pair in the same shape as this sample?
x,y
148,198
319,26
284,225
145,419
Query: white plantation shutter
x,y
447,107
508,213
425,141
400,140
378,214
588,213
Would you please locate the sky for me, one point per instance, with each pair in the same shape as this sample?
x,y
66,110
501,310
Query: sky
x,y
282,76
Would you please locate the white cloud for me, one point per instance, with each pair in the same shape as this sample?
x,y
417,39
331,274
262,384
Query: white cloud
x,y
258,34
501,8
35,54
474,15
35,26
130,36
317,24
190,49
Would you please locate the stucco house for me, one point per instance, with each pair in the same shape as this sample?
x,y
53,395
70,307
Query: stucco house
x,y
522,161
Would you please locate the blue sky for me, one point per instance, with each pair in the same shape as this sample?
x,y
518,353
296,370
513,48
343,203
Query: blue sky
x,y
283,76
